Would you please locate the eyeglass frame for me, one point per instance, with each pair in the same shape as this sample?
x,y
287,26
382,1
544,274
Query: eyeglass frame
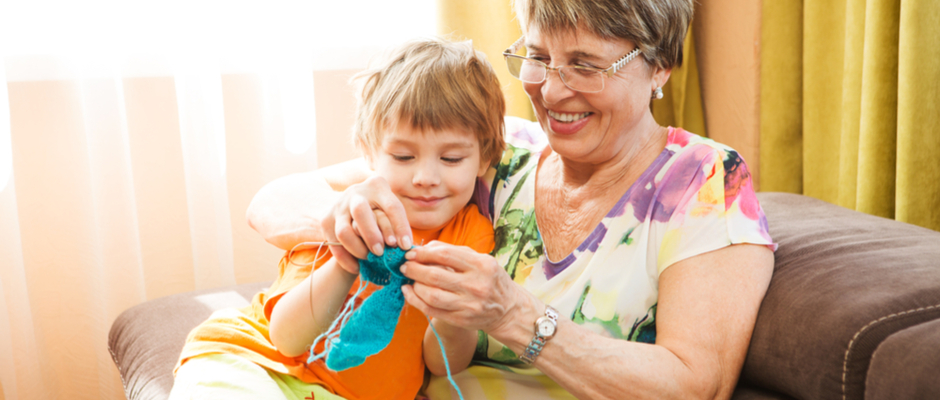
x,y
609,71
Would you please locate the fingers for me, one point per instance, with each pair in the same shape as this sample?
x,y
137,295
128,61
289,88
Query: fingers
x,y
345,260
380,217
437,298
458,258
366,218
340,229
361,212
414,300
386,227
400,230
432,275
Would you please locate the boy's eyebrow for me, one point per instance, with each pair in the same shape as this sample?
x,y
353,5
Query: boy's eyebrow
x,y
456,144
461,144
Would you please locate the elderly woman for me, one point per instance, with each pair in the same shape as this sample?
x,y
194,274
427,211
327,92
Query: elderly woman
x,y
631,258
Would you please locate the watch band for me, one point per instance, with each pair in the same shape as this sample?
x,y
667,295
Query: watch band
x,y
535,346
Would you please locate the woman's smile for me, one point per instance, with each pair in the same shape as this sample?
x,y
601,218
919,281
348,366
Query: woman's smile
x,y
567,123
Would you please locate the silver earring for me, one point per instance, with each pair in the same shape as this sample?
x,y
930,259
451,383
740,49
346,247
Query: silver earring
x,y
658,93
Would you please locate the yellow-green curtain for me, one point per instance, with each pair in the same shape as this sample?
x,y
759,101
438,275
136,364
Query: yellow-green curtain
x,y
492,27
850,98
681,104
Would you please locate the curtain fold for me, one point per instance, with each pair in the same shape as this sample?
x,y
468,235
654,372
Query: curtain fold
x,y
781,96
491,25
681,104
132,141
918,171
842,85
123,189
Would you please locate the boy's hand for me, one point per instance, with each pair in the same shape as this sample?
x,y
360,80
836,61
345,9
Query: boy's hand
x,y
384,225
367,216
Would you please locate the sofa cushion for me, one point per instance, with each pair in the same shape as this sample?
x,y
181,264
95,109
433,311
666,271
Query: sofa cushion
x,y
843,282
146,340
743,392
916,352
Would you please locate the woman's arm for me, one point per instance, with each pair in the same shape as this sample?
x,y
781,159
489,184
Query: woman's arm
x,y
706,313
288,210
309,308
334,204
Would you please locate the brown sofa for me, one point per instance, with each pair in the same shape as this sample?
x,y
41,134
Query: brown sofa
x,y
852,312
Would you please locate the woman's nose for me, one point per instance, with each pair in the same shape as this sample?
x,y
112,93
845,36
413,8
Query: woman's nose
x,y
554,89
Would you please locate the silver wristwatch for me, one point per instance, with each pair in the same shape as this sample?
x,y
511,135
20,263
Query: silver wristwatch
x,y
544,329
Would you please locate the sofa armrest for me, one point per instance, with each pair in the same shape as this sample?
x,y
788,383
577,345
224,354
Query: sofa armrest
x,y
843,282
906,365
146,340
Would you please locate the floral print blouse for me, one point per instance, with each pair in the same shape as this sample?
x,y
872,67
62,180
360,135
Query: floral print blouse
x,y
695,197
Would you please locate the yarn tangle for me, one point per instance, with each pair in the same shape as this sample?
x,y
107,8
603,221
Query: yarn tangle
x,y
369,329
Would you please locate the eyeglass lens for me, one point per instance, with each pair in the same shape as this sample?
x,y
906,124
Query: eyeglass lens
x,y
582,80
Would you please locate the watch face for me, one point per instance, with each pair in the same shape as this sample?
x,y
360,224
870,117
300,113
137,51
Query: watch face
x,y
546,328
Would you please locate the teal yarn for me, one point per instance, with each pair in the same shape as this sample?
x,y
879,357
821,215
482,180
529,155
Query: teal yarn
x,y
369,329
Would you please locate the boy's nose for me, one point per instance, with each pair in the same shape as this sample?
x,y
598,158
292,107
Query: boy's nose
x,y
427,174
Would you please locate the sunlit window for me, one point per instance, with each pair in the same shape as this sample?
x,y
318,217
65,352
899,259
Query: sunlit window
x,y
198,40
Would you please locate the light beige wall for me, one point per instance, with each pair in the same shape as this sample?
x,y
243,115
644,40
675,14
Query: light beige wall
x,y
728,46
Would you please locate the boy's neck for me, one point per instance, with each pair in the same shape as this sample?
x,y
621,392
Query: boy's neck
x,y
423,236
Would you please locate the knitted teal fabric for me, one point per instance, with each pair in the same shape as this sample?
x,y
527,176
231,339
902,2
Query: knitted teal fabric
x,y
369,329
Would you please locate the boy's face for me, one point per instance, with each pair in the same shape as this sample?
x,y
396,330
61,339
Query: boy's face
x,y
433,173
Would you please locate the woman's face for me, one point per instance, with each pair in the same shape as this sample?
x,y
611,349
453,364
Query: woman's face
x,y
590,127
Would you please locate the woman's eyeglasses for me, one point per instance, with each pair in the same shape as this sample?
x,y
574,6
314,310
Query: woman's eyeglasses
x,y
575,77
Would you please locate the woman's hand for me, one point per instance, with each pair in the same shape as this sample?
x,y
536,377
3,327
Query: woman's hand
x,y
462,287
366,216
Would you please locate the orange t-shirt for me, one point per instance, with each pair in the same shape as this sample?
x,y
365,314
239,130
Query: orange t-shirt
x,y
396,372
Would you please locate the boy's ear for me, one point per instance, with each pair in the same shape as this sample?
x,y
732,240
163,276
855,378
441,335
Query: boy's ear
x,y
483,167
369,158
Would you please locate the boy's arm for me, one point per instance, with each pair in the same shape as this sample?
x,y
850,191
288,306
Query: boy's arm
x,y
460,344
309,308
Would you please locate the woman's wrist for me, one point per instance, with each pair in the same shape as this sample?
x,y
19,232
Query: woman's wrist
x,y
518,327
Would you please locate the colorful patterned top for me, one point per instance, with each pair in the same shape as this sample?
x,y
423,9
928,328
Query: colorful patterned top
x,y
694,198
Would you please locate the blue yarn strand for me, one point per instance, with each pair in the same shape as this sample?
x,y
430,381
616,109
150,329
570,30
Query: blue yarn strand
x,y
332,333
446,363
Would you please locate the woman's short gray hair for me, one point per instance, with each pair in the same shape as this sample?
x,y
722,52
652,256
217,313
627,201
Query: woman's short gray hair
x,y
657,27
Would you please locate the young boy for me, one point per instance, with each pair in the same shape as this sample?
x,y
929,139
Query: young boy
x,y
430,123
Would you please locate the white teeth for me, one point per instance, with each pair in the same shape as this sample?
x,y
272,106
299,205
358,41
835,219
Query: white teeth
x,y
567,117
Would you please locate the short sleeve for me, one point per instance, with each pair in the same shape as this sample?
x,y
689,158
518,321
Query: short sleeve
x,y
718,208
292,273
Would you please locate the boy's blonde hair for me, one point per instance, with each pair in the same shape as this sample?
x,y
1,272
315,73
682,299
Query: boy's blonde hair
x,y
431,84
